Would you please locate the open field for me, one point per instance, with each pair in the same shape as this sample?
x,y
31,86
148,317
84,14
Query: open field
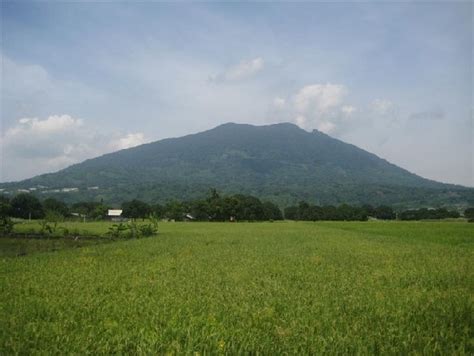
x,y
327,287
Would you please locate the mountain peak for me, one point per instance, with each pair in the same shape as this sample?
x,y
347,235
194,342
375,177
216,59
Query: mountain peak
x,y
234,125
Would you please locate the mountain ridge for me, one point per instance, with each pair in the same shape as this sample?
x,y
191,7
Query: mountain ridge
x,y
279,162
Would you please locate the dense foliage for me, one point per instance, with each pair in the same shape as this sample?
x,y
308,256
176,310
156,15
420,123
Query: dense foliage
x,y
308,212
469,214
136,209
278,163
92,210
215,207
286,288
421,214
26,206
56,206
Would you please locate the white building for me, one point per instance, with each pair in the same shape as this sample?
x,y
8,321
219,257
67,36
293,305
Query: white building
x,y
115,214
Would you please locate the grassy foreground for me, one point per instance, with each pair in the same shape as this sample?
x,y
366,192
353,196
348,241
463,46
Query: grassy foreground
x,y
339,287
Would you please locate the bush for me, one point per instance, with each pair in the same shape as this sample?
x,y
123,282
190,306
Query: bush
x,y
117,230
154,221
148,230
6,225
134,229
46,228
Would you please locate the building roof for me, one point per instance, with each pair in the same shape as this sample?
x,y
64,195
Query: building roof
x,y
114,212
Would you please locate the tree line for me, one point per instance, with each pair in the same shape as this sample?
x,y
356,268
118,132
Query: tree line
x,y
307,212
216,207
440,213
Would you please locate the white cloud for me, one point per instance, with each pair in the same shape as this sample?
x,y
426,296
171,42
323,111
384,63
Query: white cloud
x,y
34,146
54,123
245,69
316,106
29,90
326,126
301,121
319,98
130,140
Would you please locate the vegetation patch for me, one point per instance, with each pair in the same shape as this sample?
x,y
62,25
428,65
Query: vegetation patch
x,y
20,246
270,288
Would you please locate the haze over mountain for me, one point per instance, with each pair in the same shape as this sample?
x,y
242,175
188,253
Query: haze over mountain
x,y
279,162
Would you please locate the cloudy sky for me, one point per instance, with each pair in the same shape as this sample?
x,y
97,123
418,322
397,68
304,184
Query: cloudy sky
x,y
82,79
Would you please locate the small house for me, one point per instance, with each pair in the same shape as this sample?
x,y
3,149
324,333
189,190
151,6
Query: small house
x,y
115,214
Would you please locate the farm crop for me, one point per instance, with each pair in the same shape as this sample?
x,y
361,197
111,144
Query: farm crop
x,y
271,288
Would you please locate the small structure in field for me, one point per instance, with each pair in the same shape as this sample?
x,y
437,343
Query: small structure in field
x,y
189,217
115,214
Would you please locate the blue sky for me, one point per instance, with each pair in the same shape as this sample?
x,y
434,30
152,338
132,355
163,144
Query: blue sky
x,y
82,79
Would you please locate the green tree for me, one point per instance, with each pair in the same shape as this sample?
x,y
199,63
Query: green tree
x,y
369,210
469,213
5,208
291,213
330,212
384,212
158,211
199,209
26,205
230,207
56,206
136,209
215,206
271,211
249,208
86,208
99,212
174,210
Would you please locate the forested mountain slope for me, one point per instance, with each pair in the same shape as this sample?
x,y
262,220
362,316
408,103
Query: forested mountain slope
x,y
280,162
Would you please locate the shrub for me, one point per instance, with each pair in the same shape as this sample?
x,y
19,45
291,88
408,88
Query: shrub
x,y
148,230
46,228
117,230
6,225
134,229
154,221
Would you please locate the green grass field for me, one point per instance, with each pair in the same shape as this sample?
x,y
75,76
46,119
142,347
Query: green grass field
x,y
270,288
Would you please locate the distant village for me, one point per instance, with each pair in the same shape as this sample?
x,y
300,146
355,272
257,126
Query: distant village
x,y
46,190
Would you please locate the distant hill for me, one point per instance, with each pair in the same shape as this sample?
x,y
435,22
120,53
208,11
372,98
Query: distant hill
x,y
280,162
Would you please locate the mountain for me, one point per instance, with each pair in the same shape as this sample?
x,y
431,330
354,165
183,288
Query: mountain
x,y
280,162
